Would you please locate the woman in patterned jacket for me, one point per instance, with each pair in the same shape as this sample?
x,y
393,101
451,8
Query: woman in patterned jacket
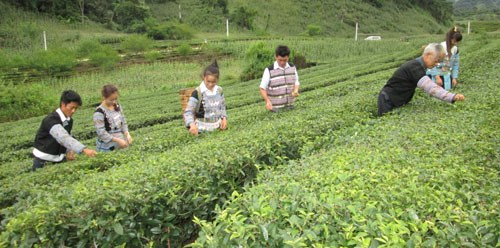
x,y
110,123
206,108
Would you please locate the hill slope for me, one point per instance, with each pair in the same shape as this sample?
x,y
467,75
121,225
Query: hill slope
x,y
281,18
477,9
292,17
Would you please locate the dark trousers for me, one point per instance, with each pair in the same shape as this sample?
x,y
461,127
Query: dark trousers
x,y
384,103
40,163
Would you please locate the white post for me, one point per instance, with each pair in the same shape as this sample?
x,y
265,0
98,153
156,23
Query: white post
x,y
468,27
356,36
180,15
44,41
227,27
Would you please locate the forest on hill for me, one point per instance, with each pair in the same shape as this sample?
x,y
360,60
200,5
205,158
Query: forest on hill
x,y
477,9
263,17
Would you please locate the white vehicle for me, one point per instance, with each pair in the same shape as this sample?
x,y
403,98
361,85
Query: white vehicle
x,y
375,37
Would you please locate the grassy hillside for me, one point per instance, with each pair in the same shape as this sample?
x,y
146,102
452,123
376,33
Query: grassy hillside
x,y
24,30
336,18
477,9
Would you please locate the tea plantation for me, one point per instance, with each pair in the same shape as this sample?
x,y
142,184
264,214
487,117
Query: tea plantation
x,y
325,174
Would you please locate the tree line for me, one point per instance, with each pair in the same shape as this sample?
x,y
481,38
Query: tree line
x,y
132,15
441,10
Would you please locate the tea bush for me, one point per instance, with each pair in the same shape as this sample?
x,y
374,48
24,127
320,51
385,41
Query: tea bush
x,y
171,31
54,61
105,57
136,44
257,57
184,49
21,101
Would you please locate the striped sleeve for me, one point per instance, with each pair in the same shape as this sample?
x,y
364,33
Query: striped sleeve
x,y
64,138
102,134
189,112
427,85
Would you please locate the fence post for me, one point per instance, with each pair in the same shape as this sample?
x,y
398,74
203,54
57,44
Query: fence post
x,y
227,27
356,36
468,27
44,41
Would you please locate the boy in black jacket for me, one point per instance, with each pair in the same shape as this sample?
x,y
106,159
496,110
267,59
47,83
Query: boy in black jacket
x,y
53,141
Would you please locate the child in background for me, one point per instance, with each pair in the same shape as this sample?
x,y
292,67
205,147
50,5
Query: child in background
x,y
446,73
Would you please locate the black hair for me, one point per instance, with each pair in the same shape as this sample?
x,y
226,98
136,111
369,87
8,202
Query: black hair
x,y
108,90
453,34
70,96
212,69
282,51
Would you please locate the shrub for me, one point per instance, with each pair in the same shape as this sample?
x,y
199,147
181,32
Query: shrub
x,y
129,13
299,61
170,31
184,49
137,27
29,30
54,60
210,49
87,47
103,56
4,60
257,57
152,55
106,57
244,17
314,30
110,39
22,101
137,43
16,60
21,35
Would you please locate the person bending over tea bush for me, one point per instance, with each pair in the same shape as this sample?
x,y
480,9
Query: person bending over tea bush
x,y
53,141
400,88
110,123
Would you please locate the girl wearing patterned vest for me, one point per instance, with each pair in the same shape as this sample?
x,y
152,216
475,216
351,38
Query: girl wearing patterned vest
x,y
280,82
206,108
110,123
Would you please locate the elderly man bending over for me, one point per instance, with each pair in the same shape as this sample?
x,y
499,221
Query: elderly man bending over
x,y
400,88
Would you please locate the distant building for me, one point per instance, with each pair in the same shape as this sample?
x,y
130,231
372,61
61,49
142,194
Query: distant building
x,y
374,37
